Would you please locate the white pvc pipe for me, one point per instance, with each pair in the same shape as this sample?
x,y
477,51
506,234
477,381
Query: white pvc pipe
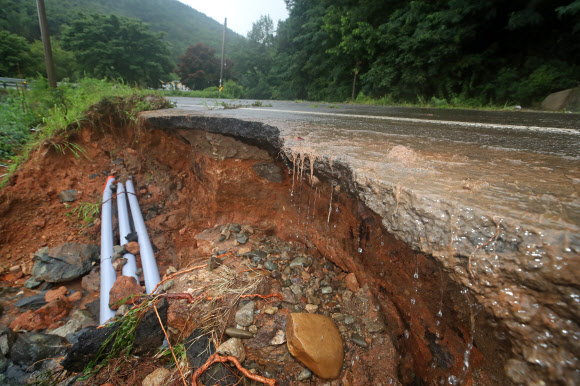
x,y
108,275
130,268
148,262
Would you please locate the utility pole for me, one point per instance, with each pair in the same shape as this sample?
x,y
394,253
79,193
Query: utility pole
x,y
46,43
223,53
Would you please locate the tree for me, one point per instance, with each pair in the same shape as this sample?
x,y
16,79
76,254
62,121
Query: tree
x,y
14,54
64,61
111,46
199,68
262,31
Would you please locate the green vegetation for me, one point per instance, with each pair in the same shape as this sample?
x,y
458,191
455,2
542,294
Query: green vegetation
x,y
53,117
116,47
86,213
459,53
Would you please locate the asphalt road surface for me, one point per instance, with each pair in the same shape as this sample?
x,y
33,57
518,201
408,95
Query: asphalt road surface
x,y
517,164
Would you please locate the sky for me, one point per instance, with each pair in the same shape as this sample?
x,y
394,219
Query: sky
x,y
240,13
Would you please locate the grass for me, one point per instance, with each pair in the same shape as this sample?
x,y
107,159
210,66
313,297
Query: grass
x,y
456,102
86,212
51,116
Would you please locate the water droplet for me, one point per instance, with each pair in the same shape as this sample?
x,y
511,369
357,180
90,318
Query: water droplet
x,y
335,225
360,250
416,275
413,301
452,379
382,243
407,334
440,313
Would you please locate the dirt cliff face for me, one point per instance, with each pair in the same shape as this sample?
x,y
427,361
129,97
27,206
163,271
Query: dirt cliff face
x,y
448,324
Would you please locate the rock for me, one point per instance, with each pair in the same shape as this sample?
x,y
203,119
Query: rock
x,y
31,302
213,263
132,248
59,293
236,228
32,283
7,339
374,326
233,347
300,261
64,262
311,308
359,340
157,377
270,265
75,297
199,347
119,263
84,317
167,285
43,317
269,171
315,341
122,310
278,339
15,268
92,282
239,333
67,195
70,327
349,319
304,375
288,296
563,100
242,238
270,310
351,282
256,255
296,289
245,315
148,337
94,308
33,347
326,290
124,291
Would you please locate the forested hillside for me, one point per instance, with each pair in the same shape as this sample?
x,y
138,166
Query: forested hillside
x,y
481,50
458,52
183,25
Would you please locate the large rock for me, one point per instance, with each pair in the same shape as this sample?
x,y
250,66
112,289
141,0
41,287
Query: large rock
x,y
42,318
148,337
33,347
124,291
64,262
315,341
33,302
233,347
563,100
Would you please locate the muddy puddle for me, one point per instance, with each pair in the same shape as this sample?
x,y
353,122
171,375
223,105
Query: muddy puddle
x,y
278,222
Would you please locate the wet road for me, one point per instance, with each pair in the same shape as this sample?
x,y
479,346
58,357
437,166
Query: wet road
x,y
513,164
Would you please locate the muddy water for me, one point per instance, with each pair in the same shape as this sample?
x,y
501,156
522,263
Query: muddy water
x,y
497,215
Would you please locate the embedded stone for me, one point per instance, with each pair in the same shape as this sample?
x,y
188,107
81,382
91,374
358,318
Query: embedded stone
x,y
157,377
245,315
315,341
233,347
124,291
351,282
43,317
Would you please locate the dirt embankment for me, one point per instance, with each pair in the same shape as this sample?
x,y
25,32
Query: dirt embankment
x,y
191,180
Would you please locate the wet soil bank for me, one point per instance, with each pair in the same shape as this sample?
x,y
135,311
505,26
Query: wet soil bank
x,y
449,326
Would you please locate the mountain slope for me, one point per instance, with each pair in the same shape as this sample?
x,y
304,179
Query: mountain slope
x,y
183,25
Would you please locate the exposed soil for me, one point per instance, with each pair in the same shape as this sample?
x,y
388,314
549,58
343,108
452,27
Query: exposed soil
x,y
191,181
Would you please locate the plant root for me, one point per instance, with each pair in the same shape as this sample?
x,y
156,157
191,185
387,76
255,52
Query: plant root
x,y
216,358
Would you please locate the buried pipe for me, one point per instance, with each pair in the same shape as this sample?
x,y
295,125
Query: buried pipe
x,y
150,271
108,275
130,267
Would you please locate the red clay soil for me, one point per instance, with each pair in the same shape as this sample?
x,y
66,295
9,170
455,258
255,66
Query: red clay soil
x,y
191,181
